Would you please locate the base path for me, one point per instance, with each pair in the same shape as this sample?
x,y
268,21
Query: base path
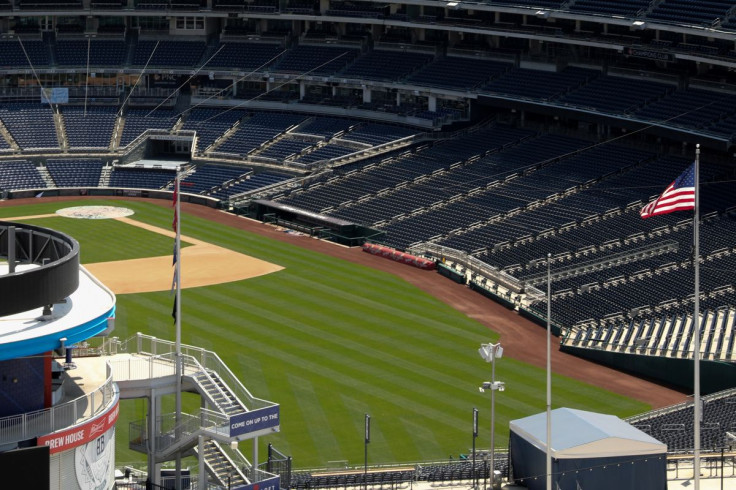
x,y
521,339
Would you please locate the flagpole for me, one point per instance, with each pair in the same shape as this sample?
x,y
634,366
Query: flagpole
x,y
177,246
549,375
696,319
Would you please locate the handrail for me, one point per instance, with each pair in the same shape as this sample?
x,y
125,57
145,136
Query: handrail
x,y
21,427
149,345
601,262
673,408
206,373
151,366
476,265
239,461
189,425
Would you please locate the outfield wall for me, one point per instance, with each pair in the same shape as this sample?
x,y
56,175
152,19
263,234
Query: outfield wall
x,y
113,192
714,375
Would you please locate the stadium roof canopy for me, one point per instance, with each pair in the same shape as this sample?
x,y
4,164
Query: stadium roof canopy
x,y
578,433
589,450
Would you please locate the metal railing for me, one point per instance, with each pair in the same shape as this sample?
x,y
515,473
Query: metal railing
x,y
189,427
474,264
158,366
24,426
194,357
142,368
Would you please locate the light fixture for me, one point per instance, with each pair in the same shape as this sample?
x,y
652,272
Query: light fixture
x,y
490,351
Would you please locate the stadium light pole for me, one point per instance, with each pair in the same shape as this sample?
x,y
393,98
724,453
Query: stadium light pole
x,y
548,455
366,441
697,415
475,435
489,353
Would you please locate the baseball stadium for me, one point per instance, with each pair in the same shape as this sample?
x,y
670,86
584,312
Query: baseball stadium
x,y
260,244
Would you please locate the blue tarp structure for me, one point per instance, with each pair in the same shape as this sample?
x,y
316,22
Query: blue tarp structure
x,y
589,451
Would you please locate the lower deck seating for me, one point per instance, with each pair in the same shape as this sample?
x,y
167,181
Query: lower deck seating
x,y
210,176
75,172
250,183
674,426
141,178
20,174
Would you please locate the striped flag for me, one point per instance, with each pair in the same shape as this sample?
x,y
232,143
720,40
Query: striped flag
x,y
679,196
174,200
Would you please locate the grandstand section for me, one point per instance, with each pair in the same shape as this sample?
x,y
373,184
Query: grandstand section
x,y
494,138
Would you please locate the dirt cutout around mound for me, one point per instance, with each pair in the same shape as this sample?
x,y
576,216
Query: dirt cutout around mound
x,y
202,264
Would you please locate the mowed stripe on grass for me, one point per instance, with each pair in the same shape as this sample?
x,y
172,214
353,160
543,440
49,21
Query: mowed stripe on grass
x,y
108,239
331,341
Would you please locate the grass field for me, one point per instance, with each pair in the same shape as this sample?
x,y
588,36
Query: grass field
x,y
94,245
331,341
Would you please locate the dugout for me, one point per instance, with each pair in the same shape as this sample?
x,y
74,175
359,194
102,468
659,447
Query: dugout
x,y
589,451
314,224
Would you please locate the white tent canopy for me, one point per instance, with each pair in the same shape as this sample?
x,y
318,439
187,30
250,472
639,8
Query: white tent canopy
x,y
577,433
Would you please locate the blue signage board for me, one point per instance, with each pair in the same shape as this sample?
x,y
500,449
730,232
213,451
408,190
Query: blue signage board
x,y
263,418
55,95
269,484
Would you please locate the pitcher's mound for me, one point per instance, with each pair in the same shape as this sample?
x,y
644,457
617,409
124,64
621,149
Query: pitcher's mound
x,y
95,212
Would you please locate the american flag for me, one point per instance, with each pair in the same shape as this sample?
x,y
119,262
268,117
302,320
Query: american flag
x,y
679,196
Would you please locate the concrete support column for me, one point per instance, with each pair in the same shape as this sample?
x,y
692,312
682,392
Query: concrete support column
x,y
255,456
154,410
302,90
202,480
11,249
432,103
366,95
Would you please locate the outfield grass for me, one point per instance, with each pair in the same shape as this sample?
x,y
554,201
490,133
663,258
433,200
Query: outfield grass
x,y
106,239
331,341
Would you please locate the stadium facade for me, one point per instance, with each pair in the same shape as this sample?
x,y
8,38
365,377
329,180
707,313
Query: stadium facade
x,y
482,135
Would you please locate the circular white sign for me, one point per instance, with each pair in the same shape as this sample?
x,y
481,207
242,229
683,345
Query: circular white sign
x,y
93,461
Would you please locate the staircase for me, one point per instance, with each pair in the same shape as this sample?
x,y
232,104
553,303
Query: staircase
x,y
46,176
222,139
8,137
221,467
143,365
117,132
217,393
60,130
105,176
